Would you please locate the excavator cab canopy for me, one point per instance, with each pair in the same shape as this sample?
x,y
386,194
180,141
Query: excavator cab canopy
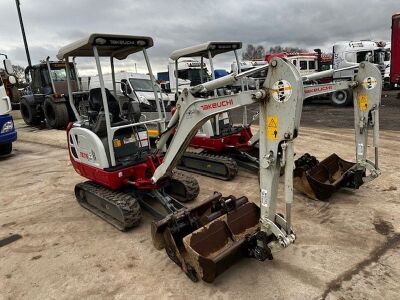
x,y
106,114
109,45
202,50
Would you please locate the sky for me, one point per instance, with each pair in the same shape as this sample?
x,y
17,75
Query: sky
x,y
175,24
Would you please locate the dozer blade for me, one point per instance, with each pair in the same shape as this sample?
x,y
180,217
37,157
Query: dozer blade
x,y
319,180
207,239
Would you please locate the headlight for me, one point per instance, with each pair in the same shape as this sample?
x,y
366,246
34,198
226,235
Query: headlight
x,y
7,127
144,100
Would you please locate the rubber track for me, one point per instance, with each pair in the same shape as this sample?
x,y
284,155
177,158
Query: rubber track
x,y
192,187
229,163
127,204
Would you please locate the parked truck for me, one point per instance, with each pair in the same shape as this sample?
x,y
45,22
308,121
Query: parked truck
x,y
395,51
351,53
305,62
8,133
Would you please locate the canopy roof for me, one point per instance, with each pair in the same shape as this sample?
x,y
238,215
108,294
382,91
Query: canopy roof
x,y
202,49
118,46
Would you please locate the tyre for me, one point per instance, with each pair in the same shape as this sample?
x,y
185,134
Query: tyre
x,y
29,113
56,114
342,98
5,149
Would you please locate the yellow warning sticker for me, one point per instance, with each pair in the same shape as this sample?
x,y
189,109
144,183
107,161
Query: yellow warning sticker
x,y
363,102
272,128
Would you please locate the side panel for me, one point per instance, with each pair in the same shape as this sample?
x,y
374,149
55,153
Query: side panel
x,y
86,148
395,51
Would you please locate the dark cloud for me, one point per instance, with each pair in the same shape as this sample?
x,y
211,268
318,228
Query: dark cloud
x,y
176,23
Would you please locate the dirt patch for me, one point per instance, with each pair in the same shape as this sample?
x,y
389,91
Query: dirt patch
x,y
393,241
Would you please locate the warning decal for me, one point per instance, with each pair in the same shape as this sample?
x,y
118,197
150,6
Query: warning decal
x,y
281,90
363,102
369,83
272,128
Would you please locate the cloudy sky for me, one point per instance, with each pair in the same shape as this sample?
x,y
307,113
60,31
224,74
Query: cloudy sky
x,y
175,24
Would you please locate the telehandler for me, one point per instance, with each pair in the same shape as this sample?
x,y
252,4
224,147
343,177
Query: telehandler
x,y
112,151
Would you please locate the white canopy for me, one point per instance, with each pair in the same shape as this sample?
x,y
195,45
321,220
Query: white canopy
x,y
118,46
202,49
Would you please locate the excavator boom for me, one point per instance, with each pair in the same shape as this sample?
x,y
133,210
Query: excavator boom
x,y
207,239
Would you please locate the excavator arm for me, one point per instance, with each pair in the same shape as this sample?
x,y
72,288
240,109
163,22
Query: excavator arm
x,y
366,87
319,180
207,239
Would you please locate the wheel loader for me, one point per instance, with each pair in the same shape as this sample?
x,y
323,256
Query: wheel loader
x,y
111,149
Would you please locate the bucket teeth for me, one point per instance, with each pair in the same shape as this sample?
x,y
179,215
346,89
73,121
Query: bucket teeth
x,y
207,239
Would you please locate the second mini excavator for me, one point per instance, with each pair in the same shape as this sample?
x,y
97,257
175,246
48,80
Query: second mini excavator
x,y
222,146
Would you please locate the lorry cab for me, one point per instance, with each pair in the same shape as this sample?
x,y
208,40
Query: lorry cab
x,y
8,133
347,54
306,63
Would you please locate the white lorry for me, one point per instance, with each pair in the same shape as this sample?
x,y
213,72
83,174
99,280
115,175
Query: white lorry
x,y
386,78
351,53
137,86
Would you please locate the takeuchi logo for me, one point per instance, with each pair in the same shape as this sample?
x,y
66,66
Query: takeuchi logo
x,y
323,88
222,103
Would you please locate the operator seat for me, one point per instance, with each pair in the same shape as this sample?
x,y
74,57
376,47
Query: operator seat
x,y
96,113
96,104
129,145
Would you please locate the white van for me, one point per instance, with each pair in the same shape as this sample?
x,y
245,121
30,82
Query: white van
x,y
138,87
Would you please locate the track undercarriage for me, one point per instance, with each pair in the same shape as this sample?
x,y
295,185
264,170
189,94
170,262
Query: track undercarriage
x,y
122,208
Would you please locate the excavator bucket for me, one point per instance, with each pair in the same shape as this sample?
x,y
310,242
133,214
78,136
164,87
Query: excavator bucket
x,y
208,238
319,180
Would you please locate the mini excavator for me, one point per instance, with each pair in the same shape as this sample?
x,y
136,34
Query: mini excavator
x,y
221,146
110,147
